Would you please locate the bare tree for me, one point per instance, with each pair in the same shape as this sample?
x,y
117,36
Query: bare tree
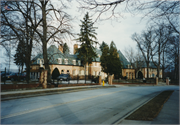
x,y
49,31
172,53
145,45
17,20
40,22
130,54
8,54
152,8
161,38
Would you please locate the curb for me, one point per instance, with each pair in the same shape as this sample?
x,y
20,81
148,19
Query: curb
x,y
40,92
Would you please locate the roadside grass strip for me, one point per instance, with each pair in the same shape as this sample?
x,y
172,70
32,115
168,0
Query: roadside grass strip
x,y
151,109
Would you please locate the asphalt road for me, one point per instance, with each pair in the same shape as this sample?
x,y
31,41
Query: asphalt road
x,y
99,106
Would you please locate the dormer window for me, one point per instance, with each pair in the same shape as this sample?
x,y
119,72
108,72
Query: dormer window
x,y
66,61
79,62
40,62
74,62
60,60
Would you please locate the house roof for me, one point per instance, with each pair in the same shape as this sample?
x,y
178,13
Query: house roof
x,y
54,53
143,64
123,60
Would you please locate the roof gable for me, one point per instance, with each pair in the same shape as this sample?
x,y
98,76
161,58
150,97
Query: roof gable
x,y
123,59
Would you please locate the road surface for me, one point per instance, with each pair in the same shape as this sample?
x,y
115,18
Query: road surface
x,y
100,106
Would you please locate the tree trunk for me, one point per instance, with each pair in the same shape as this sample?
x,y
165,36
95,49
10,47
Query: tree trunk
x,y
158,68
44,42
85,73
147,69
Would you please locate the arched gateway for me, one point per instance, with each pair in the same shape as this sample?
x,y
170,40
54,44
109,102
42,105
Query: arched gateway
x,y
139,75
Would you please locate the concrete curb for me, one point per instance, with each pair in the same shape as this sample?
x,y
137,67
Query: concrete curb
x,y
31,93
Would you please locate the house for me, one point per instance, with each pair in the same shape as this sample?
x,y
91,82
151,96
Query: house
x,y
141,70
66,63
127,69
69,63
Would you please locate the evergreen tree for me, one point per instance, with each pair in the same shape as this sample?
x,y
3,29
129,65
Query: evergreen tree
x,y
66,48
102,46
19,57
110,61
115,63
105,59
87,38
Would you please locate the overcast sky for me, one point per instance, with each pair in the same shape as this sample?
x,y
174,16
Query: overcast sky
x,y
110,30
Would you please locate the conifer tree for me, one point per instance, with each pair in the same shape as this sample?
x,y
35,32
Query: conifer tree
x,y
102,46
115,63
87,38
66,48
104,59
110,61
19,57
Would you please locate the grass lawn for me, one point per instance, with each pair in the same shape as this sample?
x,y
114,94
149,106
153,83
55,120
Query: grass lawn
x,y
151,109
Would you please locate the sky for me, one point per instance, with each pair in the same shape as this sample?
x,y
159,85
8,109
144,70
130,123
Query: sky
x,y
109,30
119,32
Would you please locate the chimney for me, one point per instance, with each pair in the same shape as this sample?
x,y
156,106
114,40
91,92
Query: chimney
x,y
75,47
61,48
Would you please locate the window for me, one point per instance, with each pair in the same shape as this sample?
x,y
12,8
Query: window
x,y
62,71
82,72
95,63
95,73
153,75
66,61
38,61
127,74
79,62
74,72
60,60
74,62
42,61
67,71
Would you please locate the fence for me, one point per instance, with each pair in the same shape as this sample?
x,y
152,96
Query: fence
x,y
134,81
90,79
174,82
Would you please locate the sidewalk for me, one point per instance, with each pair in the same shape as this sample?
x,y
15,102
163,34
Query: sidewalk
x,y
19,94
168,115
170,111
